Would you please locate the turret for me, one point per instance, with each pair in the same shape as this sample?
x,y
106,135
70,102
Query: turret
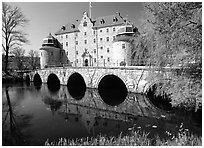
x,y
122,46
51,53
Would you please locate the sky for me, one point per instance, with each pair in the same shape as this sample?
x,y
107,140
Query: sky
x,y
48,17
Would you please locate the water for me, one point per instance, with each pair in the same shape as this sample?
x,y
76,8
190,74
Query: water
x,y
31,115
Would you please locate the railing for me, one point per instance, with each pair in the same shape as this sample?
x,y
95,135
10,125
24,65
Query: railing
x,y
114,64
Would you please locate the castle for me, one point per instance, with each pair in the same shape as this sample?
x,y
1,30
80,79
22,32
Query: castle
x,y
104,41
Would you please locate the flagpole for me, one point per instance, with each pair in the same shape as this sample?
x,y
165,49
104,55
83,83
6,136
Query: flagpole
x,y
90,9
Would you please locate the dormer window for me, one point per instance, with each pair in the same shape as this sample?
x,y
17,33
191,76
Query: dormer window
x,y
72,26
102,21
85,24
63,28
115,19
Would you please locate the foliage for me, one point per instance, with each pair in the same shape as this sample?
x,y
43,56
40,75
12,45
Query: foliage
x,y
135,138
172,37
12,20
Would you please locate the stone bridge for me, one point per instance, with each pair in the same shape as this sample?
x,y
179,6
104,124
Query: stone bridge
x,y
134,78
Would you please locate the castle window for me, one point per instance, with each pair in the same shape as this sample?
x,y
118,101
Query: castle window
x,y
94,40
85,24
94,50
77,52
66,36
76,42
66,43
107,39
107,30
49,40
85,41
67,52
101,30
94,32
113,38
51,53
108,59
108,50
85,33
123,46
101,47
101,39
114,29
95,60
77,60
101,57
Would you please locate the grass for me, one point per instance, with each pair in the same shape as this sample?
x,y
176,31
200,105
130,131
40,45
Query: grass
x,y
135,138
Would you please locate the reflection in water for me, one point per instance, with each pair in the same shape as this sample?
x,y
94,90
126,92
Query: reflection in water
x,y
52,103
13,124
90,116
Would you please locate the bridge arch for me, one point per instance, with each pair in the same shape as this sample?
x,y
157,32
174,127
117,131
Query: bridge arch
x,y
37,80
160,101
110,74
76,85
112,89
27,78
53,82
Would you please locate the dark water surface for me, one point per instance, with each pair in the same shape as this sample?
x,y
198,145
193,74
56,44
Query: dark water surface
x,y
31,115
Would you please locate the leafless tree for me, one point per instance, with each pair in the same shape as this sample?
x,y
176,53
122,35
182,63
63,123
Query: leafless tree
x,y
19,57
12,20
33,58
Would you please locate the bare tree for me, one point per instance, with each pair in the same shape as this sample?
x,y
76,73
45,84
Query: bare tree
x,y
19,57
33,59
12,36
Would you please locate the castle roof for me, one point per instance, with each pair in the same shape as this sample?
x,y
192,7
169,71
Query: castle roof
x,y
110,20
69,28
100,22
50,41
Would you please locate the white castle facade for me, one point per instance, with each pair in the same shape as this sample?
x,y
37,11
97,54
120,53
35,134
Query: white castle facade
x,y
104,41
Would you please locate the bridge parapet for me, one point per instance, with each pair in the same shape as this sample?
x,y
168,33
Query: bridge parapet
x,y
134,77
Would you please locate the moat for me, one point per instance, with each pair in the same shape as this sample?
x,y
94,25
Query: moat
x,y
31,115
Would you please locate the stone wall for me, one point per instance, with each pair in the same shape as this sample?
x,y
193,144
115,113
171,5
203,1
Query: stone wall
x,y
136,79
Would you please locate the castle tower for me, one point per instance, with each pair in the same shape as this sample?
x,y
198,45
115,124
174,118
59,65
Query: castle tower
x,y
51,53
122,46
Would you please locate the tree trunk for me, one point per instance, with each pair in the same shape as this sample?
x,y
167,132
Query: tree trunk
x,y
6,61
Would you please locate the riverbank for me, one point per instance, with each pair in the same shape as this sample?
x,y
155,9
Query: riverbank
x,y
11,77
136,138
